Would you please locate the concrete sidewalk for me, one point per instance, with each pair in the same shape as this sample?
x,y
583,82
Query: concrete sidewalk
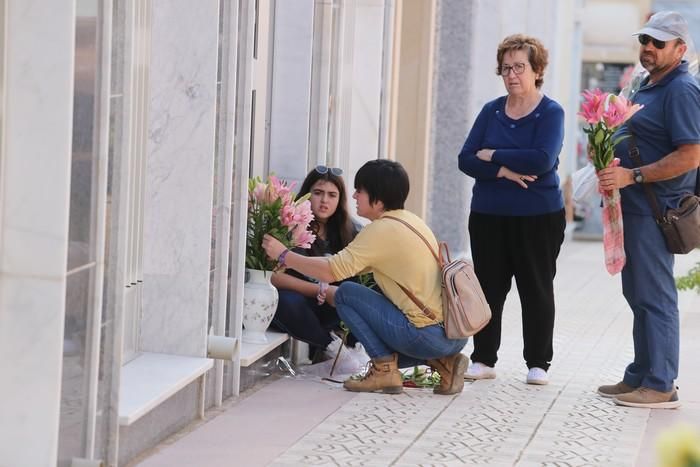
x,y
303,422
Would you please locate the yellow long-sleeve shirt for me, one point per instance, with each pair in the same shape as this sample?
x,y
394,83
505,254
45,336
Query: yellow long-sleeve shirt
x,y
395,254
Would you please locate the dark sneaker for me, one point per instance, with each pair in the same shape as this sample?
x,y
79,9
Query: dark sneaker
x,y
612,390
649,398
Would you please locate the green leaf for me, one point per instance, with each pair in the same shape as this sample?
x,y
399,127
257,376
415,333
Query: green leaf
x,y
599,136
691,280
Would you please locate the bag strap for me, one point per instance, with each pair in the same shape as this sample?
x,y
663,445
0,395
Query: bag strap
x,y
439,257
426,311
651,197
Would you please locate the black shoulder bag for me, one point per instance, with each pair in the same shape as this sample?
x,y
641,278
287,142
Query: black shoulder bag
x,y
681,226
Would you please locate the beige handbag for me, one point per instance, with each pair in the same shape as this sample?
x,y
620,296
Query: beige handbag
x,y
464,305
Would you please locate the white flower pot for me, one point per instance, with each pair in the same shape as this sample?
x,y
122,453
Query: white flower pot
x,y
259,305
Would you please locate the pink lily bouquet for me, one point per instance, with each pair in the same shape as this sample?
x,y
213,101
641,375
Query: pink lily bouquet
x,y
273,209
604,113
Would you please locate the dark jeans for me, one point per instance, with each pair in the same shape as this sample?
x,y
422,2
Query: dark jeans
x,y
524,247
304,319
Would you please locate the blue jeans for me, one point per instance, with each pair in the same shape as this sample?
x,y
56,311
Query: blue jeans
x,y
383,329
648,286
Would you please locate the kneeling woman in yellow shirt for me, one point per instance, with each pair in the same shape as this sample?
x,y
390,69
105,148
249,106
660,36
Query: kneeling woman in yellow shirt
x,y
395,332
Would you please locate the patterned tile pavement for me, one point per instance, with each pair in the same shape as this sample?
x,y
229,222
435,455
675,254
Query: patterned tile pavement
x,y
505,422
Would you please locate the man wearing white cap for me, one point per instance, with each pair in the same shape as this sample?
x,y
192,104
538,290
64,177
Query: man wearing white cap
x,y
666,132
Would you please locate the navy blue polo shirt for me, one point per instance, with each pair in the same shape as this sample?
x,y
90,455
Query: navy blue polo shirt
x,y
529,146
670,118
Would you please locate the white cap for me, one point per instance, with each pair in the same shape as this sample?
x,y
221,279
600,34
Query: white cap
x,y
666,26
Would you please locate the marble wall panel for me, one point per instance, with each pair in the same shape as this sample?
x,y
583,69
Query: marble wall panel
x,y
179,176
35,183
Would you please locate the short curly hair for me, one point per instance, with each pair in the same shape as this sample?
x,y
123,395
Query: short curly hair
x,y
536,53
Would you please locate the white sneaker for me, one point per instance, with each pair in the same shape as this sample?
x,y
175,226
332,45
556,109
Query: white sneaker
x,y
479,371
537,376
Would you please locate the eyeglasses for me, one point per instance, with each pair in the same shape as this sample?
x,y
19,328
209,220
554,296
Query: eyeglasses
x,y
644,40
322,169
518,69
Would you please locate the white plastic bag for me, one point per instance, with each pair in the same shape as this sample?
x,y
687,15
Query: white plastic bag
x,y
351,360
585,183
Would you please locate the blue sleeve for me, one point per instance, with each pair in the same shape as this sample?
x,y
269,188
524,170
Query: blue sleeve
x,y
682,111
468,162
546,146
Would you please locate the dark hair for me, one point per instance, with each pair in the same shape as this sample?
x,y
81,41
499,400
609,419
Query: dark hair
x,y
339,227
537,55
385,181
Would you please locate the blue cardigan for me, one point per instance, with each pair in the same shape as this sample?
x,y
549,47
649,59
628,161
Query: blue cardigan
x,y
529,146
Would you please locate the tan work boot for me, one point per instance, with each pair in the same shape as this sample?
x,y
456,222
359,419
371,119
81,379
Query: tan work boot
x,y
649,399
382,375
451,371
612,390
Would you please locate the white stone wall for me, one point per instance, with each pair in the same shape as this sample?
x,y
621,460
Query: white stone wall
x,y
179,177
34,200
325,97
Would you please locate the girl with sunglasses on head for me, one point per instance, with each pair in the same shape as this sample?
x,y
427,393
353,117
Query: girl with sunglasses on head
x,y
303,311
393,328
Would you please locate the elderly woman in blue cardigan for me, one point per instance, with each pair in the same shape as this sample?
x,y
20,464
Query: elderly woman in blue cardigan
x,y
517,221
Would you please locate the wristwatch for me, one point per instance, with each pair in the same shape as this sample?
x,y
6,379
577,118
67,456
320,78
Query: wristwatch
x,y
638,176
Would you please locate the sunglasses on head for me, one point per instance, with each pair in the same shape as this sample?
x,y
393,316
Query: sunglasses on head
x,y
644,40
322,169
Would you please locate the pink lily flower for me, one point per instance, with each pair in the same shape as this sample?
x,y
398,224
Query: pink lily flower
x,y
303,238
593,105
287,217
303,214
258,192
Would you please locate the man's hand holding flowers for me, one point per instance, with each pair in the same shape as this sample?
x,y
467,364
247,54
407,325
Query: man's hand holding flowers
x,y
611,178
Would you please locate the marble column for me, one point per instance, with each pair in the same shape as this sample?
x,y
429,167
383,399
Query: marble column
x,y
34,204
179,176
449,192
